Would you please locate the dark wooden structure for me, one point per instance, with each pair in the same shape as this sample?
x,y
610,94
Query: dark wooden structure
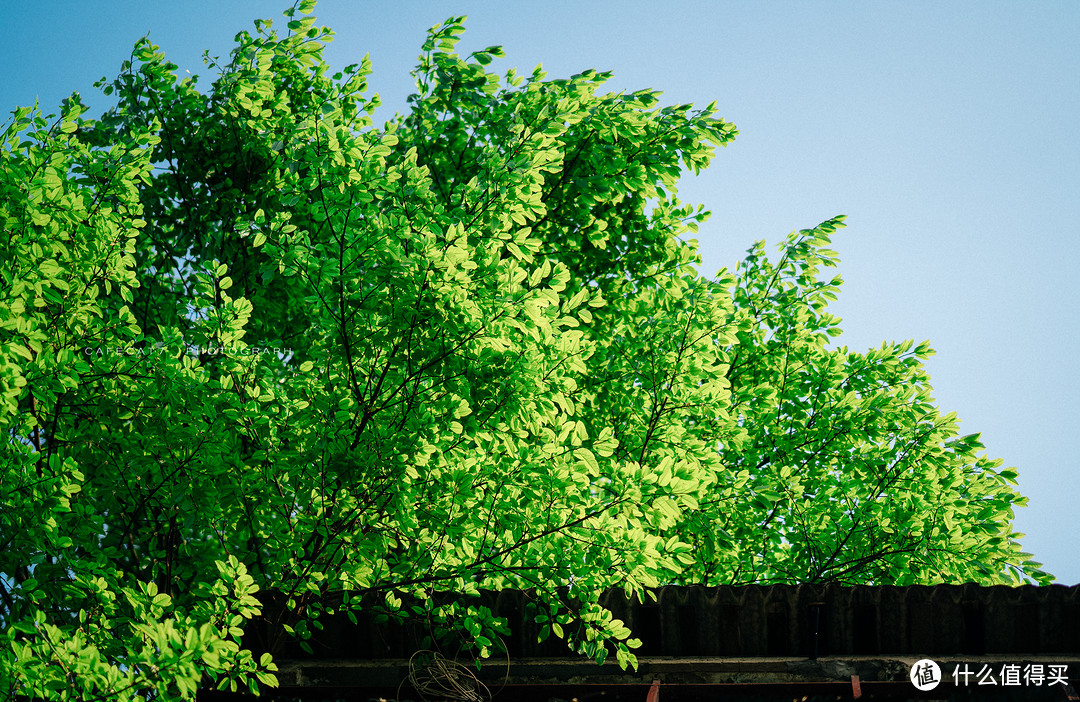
x,y
789,642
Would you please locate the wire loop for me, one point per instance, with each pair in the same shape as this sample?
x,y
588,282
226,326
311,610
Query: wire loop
x,y
442,679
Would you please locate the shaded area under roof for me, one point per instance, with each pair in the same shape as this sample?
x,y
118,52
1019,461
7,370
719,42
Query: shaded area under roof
x,y
775,642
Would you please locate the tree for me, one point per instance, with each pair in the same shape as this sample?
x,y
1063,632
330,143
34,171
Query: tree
x,y
253,342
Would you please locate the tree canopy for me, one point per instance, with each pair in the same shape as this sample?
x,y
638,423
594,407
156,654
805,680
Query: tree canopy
x,y
252,341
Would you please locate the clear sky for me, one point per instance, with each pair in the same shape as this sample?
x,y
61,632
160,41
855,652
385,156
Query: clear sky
x,y
944,130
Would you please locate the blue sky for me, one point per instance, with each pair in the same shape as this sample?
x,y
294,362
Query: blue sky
x,y
944,130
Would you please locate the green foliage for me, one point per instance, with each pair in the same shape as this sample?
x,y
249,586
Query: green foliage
x,y
468,349
844,470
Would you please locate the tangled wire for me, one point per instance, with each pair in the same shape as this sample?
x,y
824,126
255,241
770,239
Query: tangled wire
x,y
441,679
